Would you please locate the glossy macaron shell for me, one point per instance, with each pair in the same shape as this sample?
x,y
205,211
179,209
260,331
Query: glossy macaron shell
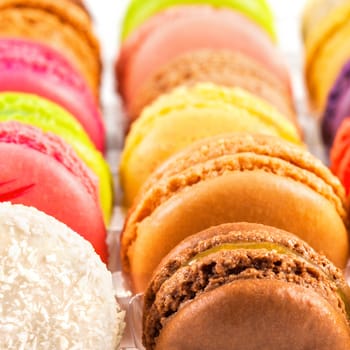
x,y
140,11
36,111
329,40
59,24
188,114
27,66
149,47
240,178
221,67
61,185
248,268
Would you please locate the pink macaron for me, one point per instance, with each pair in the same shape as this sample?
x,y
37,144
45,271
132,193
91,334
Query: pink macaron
x,y
39,169
31,67
188,28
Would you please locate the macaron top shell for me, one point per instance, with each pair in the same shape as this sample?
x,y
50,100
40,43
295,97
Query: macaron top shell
x,y
59,24
28,66
148,48
221,67
55,291
234,258
140,11
190,113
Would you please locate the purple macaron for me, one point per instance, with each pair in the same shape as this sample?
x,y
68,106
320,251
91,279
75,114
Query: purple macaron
x,y
338,106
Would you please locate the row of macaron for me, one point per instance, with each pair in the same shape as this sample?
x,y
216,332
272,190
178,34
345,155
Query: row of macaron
x,y
55,291
214,140
52,132
325,30
327,70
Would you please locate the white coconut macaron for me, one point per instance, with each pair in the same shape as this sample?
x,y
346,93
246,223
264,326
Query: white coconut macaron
x,y
55,292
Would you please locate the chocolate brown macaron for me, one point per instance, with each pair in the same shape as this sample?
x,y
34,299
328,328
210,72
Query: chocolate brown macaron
x,y
234,178
60,24
246,286
221,67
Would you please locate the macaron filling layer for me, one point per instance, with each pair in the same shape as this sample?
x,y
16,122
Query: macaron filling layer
x,y
342,290
227,266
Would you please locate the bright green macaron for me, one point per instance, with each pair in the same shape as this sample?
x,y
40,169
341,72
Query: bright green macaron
x,y
41,113
140,10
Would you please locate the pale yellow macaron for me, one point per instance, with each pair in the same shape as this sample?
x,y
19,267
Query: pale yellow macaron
x,y
327,48
314,12
188,114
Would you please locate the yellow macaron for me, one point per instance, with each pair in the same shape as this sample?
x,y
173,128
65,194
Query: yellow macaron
x,y
188,114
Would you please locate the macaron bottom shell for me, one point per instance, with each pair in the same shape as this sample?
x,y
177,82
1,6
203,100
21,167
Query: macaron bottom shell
x,y
258,315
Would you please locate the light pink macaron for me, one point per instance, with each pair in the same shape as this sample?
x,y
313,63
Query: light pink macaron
x,y
188,28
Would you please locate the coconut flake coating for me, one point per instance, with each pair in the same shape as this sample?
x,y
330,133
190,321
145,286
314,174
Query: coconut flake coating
x,y
55,293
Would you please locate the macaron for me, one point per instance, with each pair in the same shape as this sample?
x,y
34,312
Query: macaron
x,y
246,286
187,114
233,178
315,11
330,40
140,11
222,67
55,180
184,29
340,154
31,67
337,107
55,292
62,25
41,113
